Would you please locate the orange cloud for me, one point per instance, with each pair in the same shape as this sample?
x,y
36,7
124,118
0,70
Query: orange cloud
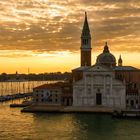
x,y
49,26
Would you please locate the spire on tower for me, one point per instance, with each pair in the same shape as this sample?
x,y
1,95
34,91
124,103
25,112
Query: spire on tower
x,y
86,30
86,44
120,61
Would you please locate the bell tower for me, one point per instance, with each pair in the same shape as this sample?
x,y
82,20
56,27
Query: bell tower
x,y
85,44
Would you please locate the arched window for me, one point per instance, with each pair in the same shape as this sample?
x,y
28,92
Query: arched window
x,y
127,101
135,85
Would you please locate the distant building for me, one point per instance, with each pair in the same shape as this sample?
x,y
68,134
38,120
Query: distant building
x,y
53,94
104,83
47,93
131,77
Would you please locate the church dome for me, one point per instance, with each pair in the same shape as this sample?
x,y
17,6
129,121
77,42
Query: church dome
x,y
106,58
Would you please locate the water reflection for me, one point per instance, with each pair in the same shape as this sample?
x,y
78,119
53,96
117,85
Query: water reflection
x,y
86,127
45,126
62,126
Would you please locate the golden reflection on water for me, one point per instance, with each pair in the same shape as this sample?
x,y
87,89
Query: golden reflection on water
x,y
15,125
59,125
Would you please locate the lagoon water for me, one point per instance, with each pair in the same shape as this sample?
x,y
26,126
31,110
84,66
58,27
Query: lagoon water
x,y
15,125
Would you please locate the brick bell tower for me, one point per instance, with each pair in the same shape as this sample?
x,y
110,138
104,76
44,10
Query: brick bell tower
x,y
85,44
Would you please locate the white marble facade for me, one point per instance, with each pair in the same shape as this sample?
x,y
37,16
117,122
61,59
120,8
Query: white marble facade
x,y
99,87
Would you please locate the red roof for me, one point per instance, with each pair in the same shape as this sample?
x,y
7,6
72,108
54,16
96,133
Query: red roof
x,y
52,86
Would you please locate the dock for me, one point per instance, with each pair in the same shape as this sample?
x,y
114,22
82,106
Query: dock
x,y
4,98
132,113
121,114
69,109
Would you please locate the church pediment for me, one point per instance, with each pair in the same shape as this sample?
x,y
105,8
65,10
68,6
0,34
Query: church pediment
x,y
82,68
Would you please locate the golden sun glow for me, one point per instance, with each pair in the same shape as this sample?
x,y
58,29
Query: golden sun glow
x,y
45,34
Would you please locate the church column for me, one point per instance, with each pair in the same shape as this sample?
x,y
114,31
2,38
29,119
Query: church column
x,y
104,84
111,84
111,91
105,89
92,82
85,84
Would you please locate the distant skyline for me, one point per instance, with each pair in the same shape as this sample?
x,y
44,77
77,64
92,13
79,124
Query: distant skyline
x,y
44,35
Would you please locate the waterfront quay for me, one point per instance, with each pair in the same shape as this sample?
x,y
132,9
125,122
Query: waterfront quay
x,y
133,113
68,109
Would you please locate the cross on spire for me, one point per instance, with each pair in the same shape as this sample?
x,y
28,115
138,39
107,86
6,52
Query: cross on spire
x,y
106,49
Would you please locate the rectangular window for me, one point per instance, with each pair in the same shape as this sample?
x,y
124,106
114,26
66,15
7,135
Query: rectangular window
x,y
127,101
107,91
89,91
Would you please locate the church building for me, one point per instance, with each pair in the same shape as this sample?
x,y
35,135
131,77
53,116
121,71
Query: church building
x,y
104,83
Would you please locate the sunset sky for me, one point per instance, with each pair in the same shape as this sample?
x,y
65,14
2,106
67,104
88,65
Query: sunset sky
x,y
44,35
